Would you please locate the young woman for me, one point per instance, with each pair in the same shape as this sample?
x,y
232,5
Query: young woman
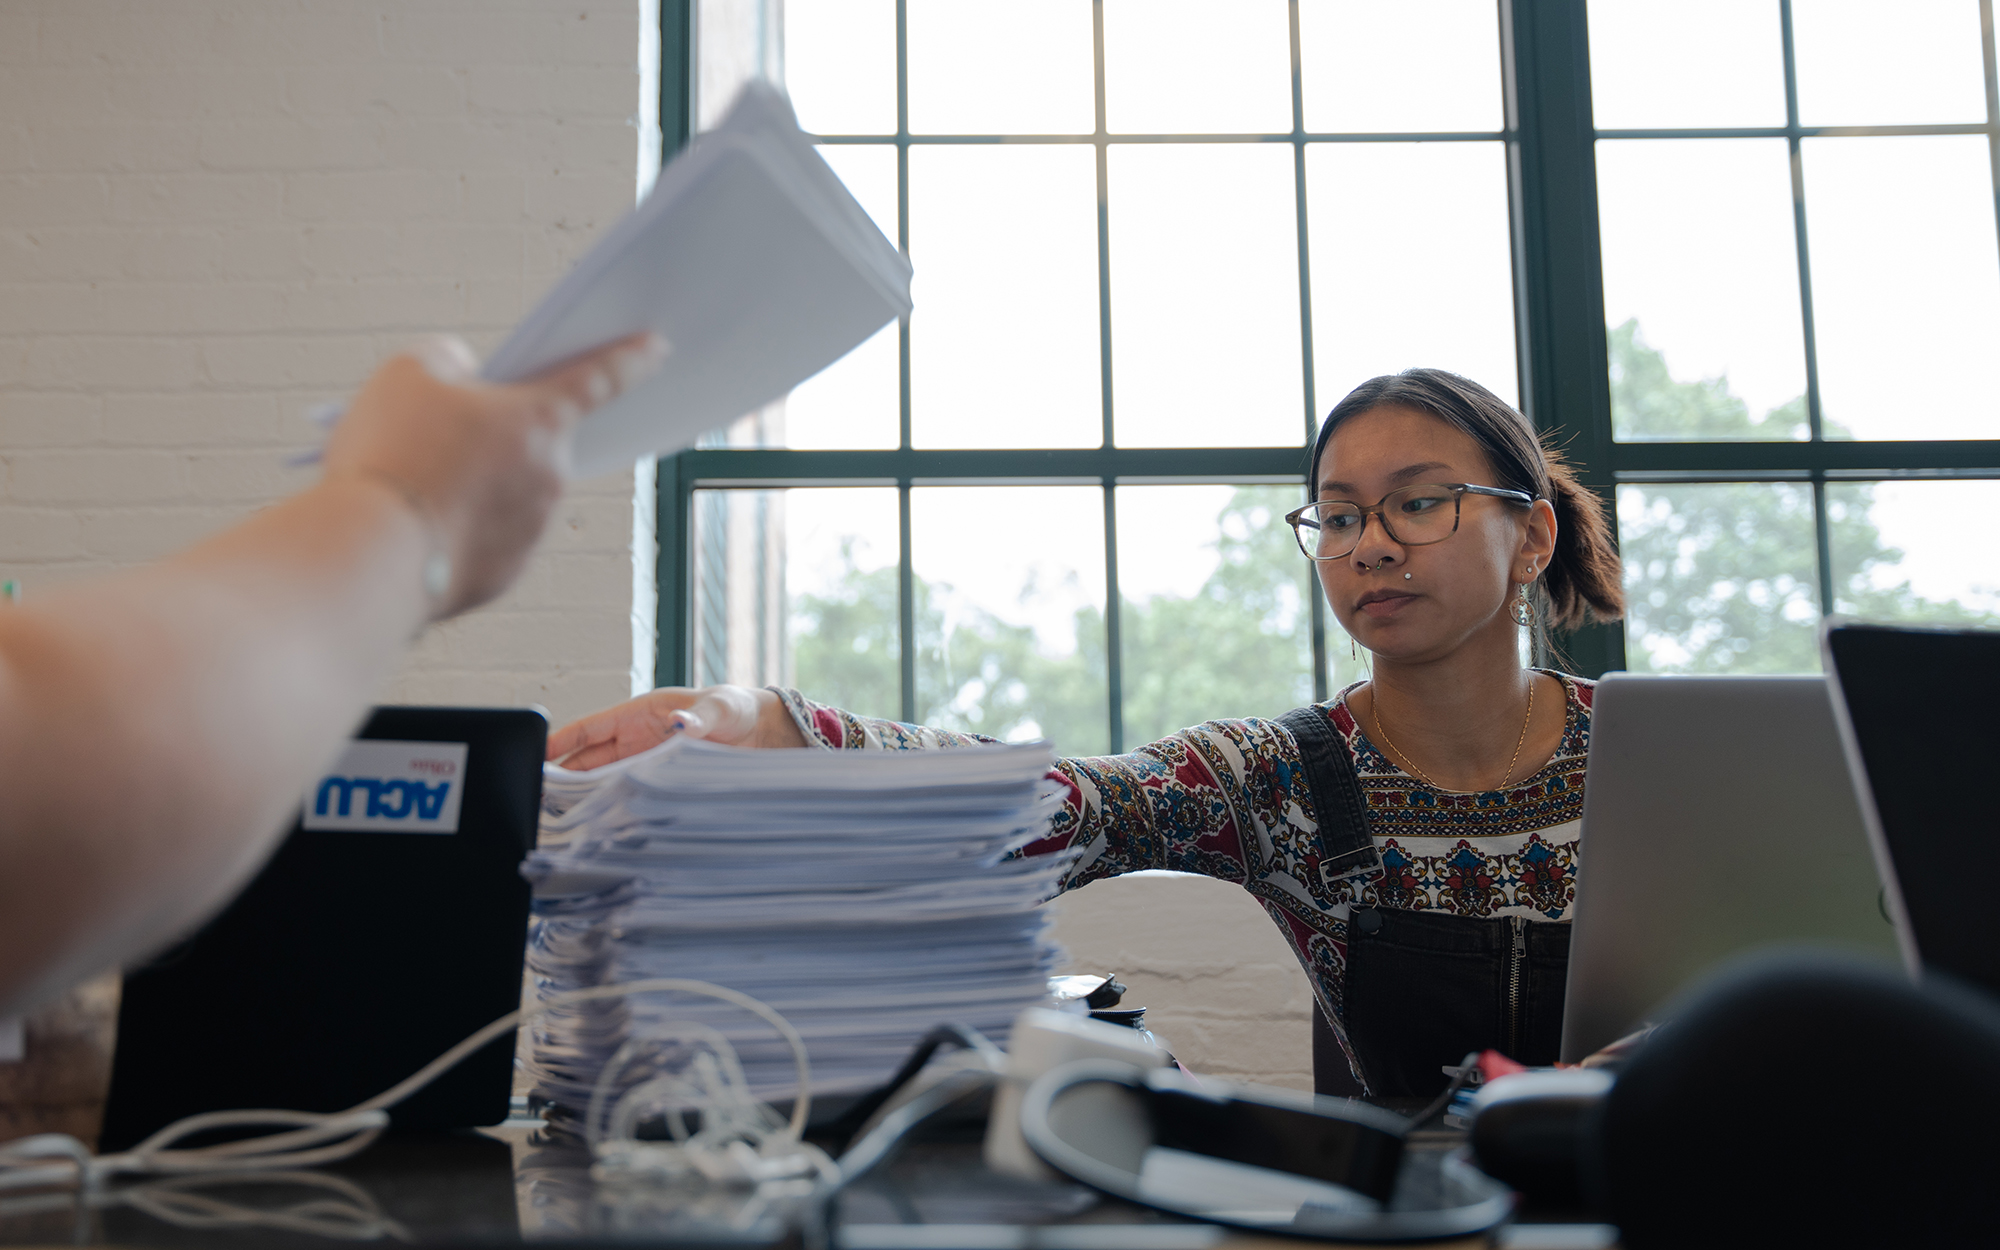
x,y
1441,529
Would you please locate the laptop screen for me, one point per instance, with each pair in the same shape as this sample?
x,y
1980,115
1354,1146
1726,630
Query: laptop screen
x,y
1923,711
389,925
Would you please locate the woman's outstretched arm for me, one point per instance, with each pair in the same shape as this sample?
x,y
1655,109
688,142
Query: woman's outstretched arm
x,y
1215,799
157,726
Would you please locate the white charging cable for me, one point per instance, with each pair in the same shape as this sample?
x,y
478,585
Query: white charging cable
x,y
305,1139
740,1141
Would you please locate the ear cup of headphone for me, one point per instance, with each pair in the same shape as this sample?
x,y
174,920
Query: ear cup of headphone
x,y
1801,1099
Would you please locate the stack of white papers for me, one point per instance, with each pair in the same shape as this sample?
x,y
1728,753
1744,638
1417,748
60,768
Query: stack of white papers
x,y
866,895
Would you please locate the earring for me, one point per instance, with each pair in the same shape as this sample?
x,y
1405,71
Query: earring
x,y
1353,652
1524,609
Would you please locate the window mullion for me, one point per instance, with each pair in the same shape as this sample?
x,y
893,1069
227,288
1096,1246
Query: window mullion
x,y
1822,542
1552,194
673,502
906,575
906,600
1313,598
1114,669
1987,52
1792,140
1114,647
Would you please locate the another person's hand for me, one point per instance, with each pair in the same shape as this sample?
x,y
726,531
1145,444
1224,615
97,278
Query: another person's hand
x,y
733,715
481,464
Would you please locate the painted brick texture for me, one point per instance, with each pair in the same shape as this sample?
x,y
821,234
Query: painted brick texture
x,y
216,213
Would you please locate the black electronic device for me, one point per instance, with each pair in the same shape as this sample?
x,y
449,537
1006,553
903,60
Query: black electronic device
x,y
388,927
1916,709
1271,1160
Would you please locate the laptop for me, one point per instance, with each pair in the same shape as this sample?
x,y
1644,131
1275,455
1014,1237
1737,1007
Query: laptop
x,y
387,927
1919,716
1717,817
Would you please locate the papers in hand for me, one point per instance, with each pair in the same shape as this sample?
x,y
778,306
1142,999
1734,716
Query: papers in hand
x,y
749,257
866,895
753,262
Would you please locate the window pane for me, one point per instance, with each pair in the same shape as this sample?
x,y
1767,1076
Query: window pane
x,y
1010,612
1719,578
1214,613
857,400
1690,63
1019,67
1888,62
1004,339
1915,551
1187,67
1205,296
840,65
1411,263
798,588
869,170
1414,65
1701,284
1906,285
854,402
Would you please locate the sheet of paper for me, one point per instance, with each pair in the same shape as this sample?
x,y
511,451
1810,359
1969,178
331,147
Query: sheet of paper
x,y
749,257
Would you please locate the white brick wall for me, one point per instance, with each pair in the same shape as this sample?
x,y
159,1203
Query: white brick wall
x,y
214,213
1217,981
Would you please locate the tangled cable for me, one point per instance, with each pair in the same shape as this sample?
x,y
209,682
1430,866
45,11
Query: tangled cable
x,y
740,1140
734,1125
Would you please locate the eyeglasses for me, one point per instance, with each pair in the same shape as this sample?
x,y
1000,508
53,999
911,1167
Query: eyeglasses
x,y
1412,516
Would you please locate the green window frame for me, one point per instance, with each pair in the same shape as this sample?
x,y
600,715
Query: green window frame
x,y
1564,376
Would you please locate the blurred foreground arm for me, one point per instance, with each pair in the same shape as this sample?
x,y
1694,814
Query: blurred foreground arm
x,y
157,726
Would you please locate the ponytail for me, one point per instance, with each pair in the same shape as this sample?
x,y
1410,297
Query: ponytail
x,y
1583,581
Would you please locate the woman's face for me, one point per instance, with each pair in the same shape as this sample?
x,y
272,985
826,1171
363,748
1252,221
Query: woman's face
x,y
1457,589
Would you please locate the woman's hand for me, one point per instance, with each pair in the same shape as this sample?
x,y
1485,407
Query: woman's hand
x,y
732,715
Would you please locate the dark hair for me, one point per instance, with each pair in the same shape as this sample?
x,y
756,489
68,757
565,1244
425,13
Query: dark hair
x,y
1583,581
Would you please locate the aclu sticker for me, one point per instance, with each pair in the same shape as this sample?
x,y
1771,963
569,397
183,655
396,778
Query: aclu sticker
x,y
382,786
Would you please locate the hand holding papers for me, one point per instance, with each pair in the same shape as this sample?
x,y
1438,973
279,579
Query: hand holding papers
x,y
749,257
865,895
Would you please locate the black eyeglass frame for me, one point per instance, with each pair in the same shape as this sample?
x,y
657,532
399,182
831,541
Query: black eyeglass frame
x,y
1459,490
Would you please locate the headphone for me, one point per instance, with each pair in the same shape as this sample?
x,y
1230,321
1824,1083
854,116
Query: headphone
x,y
1247,1156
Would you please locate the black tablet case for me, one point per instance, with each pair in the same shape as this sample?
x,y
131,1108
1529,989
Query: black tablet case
x,y
351,960
1922,703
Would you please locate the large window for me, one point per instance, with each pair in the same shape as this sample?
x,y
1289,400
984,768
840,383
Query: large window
x,y
1156,239
1153,241
1802,299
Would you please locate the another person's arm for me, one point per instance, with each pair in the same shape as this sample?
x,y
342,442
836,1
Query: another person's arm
x,y
157,726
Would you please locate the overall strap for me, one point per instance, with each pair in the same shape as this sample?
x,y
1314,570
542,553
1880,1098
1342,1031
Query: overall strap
x,y
1346,850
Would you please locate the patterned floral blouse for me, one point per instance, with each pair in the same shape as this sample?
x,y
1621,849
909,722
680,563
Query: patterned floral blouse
x,y
1228,799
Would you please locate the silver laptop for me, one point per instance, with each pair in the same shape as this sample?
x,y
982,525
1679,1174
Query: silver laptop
x,y
1718,817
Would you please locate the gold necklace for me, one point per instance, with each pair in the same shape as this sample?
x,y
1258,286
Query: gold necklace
x,y
1375,714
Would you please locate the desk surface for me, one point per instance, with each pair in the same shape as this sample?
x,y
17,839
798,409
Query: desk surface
x,y
514,1184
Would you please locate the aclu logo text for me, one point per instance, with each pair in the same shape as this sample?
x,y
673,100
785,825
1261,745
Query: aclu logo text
x,y
384,786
